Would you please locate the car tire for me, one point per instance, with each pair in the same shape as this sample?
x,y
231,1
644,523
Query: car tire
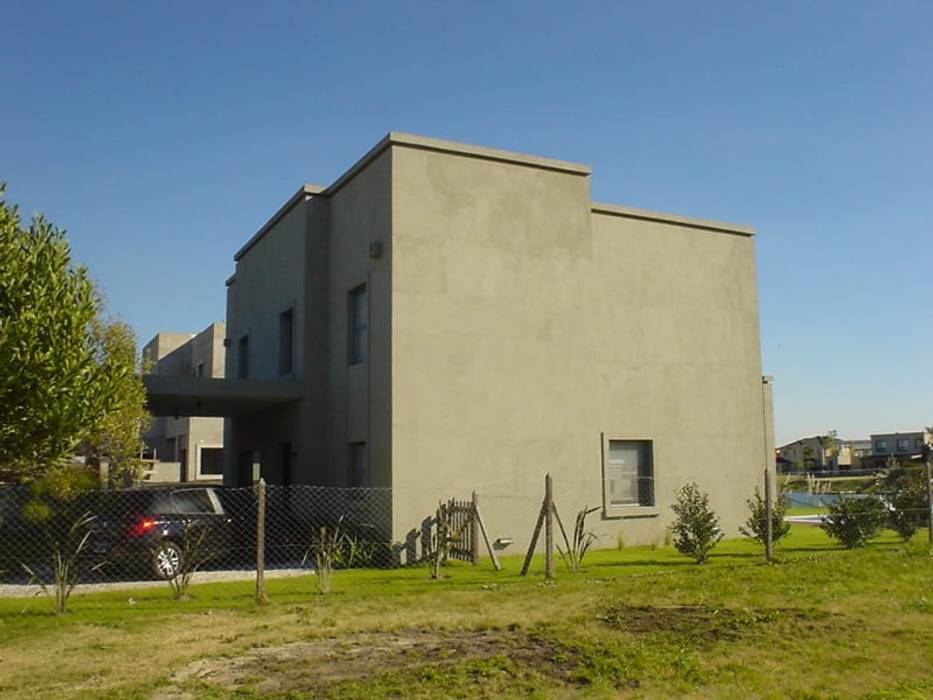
x,y
167,560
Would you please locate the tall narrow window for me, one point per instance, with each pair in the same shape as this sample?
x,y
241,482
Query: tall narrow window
x,y
286,341
242,357
359,467
199,372
359,316
629,474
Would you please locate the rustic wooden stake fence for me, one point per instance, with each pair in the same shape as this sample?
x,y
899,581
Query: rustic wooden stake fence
x,y
545,518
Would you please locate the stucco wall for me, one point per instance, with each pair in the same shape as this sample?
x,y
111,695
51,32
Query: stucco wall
x,y
358,396
528,330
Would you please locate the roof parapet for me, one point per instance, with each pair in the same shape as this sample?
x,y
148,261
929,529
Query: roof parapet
x,y
646,215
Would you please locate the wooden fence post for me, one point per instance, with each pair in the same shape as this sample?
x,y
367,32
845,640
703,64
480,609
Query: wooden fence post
x,y
769,535
474,529
930,498
261,598
548,527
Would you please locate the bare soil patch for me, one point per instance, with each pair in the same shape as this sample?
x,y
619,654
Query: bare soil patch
x,y
700,623
313,666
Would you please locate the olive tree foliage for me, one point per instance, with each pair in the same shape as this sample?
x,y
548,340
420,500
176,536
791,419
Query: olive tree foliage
x,y
58,382
117,435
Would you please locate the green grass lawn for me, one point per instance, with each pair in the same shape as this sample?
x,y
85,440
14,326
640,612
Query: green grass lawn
x,y
820,623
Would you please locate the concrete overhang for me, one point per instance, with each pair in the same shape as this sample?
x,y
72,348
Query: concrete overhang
x,y
196,396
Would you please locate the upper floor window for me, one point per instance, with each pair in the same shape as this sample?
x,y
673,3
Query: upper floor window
x,y
881,445
359,316
199,371
242,357
629,476
903,444
286,341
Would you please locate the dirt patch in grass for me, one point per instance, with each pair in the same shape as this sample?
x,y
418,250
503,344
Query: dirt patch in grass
x,y
312,667
701,623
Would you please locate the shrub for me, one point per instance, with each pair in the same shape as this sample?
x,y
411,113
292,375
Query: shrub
x,y
854,521
696,528
908,511
755,527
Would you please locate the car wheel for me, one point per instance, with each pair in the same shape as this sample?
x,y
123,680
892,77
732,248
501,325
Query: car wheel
x,y
167,560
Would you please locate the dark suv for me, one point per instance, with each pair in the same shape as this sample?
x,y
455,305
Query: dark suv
x,y
146,530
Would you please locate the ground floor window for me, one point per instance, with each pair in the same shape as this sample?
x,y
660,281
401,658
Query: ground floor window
x,y
212,461
628,474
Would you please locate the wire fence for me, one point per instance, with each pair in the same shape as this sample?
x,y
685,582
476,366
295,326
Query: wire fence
x,y
152,533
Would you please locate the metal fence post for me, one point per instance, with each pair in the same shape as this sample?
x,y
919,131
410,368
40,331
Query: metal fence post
x,y
261,598
548,527
769,535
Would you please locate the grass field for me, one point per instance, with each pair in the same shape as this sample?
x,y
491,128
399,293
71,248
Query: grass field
x,y
643,623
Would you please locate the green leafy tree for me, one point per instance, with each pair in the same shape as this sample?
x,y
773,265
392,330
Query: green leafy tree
x,y
54,388
696,527
854,521
755,527
118,435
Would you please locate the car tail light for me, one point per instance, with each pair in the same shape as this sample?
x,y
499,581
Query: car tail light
x,y
141,527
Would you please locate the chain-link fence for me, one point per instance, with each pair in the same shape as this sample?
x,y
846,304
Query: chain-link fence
x,y
155,533
147,534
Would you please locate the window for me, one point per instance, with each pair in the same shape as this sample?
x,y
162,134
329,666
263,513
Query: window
x,y
192,501
903,444
212,461
199,372
881,445
359,313
286,341
629,474
358,467
242,357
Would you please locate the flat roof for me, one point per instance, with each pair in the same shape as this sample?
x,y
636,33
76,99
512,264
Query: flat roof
x,y
399,138
646,215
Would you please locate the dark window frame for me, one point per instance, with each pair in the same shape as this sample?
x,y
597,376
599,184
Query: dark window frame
x,y
645,478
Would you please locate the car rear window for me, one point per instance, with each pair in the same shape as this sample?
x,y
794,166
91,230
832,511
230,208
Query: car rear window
x,y
193,501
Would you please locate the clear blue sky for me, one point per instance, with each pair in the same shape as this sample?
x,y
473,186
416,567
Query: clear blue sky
x,y
162,135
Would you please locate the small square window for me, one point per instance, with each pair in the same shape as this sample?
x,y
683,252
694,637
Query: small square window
x,y
881,445
629,474
903,444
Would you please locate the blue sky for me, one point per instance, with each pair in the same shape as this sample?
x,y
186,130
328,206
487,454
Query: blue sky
x,y
162,135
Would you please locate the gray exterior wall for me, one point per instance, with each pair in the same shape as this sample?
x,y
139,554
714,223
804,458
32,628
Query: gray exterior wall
x,y
528,330
514,329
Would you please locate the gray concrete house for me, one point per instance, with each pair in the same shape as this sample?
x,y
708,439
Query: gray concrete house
x,y
446,318
186,448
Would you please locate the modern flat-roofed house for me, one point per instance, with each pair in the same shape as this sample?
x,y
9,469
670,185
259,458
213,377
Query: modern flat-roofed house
x,y
445,318
195,443
901,446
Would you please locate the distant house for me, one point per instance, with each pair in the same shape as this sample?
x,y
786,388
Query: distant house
x,y
901,446
817,453
193,444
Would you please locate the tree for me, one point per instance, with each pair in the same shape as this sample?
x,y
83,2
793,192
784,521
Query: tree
x,y
118,434
53,387
830,445
854,521
755,527
696,528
